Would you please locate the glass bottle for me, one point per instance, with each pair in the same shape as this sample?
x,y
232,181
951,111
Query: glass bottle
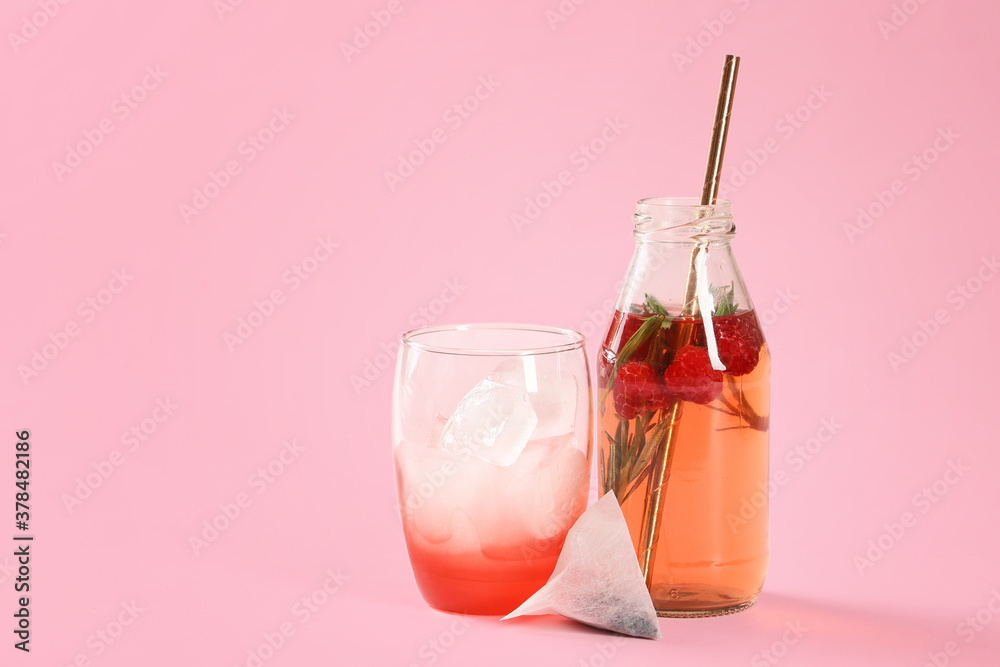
x,y
684,384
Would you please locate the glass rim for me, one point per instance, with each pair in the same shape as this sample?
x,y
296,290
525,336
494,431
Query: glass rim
x,y
683,202
568,340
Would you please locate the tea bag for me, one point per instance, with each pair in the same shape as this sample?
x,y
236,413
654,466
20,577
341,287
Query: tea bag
x,y
597,579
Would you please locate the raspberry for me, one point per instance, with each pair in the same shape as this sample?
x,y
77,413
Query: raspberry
x,y
739,339
637,388
691,377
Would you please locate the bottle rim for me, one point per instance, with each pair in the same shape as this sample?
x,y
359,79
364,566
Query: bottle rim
x,y
684,202
683,220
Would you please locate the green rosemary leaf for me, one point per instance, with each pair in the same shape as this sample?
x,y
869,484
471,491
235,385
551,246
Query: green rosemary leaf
x,y
654,306
607,466
602,473
724,300
741,409
646,329
635,452
638,482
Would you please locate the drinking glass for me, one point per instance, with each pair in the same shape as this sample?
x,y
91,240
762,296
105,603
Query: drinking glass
x,y
492,439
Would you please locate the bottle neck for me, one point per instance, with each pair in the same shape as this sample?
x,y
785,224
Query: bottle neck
x,y
683,252
683,220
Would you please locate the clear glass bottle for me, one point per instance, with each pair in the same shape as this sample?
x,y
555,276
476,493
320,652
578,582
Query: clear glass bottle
x,y
684,384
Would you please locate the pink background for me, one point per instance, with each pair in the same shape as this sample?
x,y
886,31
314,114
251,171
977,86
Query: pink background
x,y
440,247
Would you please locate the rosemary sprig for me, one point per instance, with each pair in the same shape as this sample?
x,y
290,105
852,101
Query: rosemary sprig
x,y
659,318
654,307
650,326
724,297
632,450
737,406
637,451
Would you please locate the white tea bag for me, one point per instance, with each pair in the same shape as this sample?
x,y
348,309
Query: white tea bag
x,y
597,579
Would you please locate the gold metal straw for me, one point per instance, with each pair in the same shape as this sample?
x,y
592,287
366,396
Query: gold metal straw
x,y
713,171
653,510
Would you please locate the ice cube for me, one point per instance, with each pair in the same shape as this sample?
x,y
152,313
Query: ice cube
x,y
492,422
511,371
465,537
551,391
563,487
437,428
555,403
510,505
530,504
433,523
424,473
441,489
477,493
552,488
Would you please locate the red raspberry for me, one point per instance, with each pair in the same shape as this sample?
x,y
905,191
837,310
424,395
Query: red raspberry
x,y
739,339
637,388
691,377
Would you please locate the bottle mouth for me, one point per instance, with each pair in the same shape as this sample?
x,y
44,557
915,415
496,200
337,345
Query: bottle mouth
x,y
683,219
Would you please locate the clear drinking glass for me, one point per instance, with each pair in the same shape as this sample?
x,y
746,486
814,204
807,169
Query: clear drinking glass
x,y
492,431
